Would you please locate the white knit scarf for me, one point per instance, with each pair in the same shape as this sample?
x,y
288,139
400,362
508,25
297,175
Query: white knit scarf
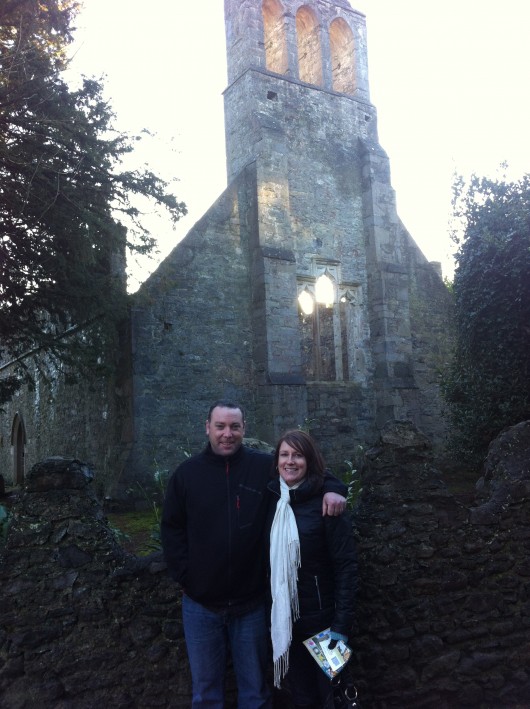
x,y
284,560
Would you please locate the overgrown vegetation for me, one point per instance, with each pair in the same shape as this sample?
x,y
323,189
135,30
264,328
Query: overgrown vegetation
x,y
350,477
488,385
154,498
135,531
68,210
139,531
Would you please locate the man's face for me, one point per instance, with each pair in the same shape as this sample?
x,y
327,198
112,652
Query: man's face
x,y
225,430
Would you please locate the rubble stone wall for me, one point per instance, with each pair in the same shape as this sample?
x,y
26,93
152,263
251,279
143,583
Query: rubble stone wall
x,y
444,602
443,606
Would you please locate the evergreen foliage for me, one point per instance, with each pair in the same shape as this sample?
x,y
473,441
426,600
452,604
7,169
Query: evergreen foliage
x,y
67,211
488,387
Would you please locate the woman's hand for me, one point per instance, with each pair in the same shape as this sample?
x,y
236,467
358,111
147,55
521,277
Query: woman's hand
x,y
334,638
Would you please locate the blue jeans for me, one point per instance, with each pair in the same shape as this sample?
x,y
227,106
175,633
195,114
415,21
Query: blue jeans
x,y
208,637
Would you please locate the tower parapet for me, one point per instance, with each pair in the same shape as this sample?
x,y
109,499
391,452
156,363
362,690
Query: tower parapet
x,y
322,42
319,45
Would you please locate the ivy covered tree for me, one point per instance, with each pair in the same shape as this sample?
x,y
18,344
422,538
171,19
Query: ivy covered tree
x,y
489,384
68,210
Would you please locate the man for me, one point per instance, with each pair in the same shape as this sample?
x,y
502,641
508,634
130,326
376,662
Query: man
x,y
215,544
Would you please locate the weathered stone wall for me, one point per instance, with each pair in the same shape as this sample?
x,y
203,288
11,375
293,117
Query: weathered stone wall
x,y
444,603
432,335
82,624
340,416
88,419
443,607
192,336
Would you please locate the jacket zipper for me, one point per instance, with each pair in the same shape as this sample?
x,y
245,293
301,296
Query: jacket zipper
x,y
229,570
318,593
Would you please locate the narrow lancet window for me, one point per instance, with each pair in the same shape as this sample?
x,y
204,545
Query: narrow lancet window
x,y
309,47
275,39
342,56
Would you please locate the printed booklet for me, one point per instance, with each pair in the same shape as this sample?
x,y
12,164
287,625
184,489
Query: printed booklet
x,y
330,661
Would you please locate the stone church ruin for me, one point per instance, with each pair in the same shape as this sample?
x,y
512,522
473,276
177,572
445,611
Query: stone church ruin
x,y
299,293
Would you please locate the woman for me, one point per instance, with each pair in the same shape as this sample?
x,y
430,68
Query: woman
x,y
313,569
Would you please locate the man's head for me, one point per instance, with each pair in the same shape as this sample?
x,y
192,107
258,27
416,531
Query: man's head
x,y
225,427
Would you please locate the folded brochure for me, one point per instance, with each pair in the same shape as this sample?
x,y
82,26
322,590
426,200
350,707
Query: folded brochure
x,y
330,661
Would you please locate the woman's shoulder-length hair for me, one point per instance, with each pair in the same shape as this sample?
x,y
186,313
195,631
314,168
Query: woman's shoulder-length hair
x,y
304,444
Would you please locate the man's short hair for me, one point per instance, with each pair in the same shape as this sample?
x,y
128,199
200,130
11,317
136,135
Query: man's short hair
x,y
225,405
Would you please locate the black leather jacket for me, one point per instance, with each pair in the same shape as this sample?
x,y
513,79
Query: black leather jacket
x,y
327,578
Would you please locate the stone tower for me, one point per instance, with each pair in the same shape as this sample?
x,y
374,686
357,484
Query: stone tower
x,y
299,293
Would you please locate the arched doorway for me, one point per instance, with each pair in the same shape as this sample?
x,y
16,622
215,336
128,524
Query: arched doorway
x,y
18,441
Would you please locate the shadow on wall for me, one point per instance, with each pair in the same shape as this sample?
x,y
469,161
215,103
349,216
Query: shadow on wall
x,y
443,606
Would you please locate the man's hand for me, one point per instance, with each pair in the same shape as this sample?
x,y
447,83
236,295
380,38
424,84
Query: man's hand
x,y
333,504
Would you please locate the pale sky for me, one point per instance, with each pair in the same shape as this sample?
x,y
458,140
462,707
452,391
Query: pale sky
x,y
449,81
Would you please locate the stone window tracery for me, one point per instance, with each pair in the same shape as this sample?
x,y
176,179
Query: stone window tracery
x,y
324,316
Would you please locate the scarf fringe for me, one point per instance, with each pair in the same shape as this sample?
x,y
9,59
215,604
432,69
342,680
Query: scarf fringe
x,y
281,665
293,551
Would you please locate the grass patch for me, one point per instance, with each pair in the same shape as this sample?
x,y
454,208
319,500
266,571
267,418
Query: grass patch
x,y
137,532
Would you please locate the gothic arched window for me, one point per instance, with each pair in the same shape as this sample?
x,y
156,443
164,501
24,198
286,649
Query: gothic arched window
x,y
309,47
317,329
331,327
275,39
342,56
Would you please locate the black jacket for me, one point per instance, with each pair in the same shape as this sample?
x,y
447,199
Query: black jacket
x,y
214,527
327,578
